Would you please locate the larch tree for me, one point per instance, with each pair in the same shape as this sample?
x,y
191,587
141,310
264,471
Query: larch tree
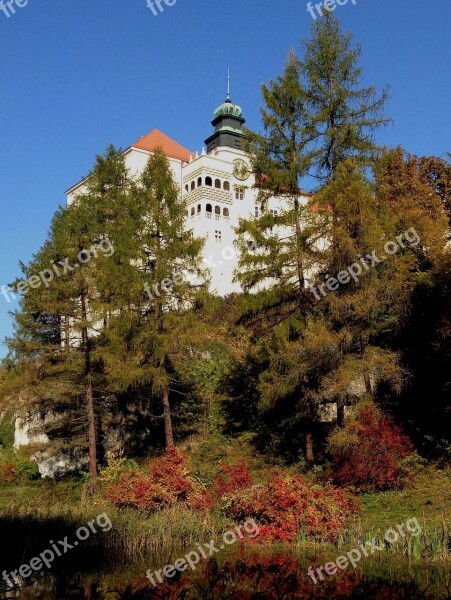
x,y
152,323
277,251
61,317
364,291
316,116
416,191
341,116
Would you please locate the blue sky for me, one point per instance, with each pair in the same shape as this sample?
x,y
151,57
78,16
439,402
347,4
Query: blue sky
x,y
76,76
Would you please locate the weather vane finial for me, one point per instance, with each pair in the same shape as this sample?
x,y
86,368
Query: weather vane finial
x,y
228,99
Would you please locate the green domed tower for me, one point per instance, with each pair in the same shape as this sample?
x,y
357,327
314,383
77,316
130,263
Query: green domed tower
x,y
228,124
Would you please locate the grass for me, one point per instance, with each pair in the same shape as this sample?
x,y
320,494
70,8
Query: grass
x,y
42,508
208,452
43,494
429,499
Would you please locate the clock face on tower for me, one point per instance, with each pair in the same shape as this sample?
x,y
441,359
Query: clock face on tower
x,y
240,169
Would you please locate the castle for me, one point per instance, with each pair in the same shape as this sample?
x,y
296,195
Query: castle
x,y
217,184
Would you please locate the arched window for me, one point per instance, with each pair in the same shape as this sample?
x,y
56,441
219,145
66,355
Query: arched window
x,y
208,181
225,212
199,181
193,185
199,208
217,210
226,186
208,208
193,211
217,184
186,188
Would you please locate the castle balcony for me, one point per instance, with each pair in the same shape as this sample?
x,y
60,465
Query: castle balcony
x,y
208,194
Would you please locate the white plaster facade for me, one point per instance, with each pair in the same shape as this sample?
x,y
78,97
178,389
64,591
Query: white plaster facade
x,y
216,200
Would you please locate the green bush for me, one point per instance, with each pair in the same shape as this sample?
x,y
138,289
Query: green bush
x,y
7,432
24,468
115,468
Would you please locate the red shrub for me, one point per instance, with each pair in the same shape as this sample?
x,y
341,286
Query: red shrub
x,y
287,506
283,508
171,471
200,499
370,453
8,473
233,478
166,484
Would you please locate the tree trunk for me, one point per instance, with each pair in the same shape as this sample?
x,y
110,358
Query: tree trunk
x,y
368,388
309,448
294,191
340,413
167,420
89,394
91,427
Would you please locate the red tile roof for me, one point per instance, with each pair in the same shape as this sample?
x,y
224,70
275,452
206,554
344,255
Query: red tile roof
x,y
156,138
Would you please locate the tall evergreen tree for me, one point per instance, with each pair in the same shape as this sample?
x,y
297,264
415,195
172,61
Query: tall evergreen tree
x,y
60,317
315,117
278,251
341,116
364,292
152,324
279,162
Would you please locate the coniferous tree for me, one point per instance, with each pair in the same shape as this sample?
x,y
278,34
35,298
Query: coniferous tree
x,y
364,291
279,163
152,322
316,116
61,317
437,172
341,117
415,190
278,251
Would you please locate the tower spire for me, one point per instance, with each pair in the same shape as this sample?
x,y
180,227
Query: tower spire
x,y
228,124
228,99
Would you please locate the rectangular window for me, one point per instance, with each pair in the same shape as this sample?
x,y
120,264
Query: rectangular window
x,y
218,236
257,211
239,193
274,212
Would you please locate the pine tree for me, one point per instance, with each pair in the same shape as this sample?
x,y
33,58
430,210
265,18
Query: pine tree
x,y
341,117
365,292
277,252
60,318
151,320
